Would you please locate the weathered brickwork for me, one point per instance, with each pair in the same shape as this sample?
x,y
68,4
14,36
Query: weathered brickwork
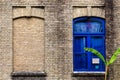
x,y
5,41
116,25
109,34
36,36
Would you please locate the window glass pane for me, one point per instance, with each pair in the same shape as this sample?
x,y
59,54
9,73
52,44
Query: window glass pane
x,y
80,27
94,27
89,27
81,61
79,44
97,42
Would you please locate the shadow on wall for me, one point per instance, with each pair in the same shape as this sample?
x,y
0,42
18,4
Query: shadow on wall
x,y
28,76
87,76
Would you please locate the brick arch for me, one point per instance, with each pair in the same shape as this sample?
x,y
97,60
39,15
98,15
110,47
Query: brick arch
x,y
98,11
22,12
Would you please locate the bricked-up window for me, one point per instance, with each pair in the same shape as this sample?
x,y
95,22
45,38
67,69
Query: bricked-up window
x,y
28,39
88,32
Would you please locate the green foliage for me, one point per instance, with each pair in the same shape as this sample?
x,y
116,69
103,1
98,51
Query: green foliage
x,y
97,53
107,63
114,56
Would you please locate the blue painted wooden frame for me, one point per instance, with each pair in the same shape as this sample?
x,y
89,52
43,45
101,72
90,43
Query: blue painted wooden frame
x,y
88,36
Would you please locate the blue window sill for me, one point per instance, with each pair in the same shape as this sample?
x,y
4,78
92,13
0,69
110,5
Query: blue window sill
x,y
87,74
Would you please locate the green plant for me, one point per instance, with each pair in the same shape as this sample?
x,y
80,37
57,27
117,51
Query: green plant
x,y
107,63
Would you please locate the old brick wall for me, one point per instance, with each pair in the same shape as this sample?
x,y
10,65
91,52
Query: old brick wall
x,y
109,15
5,40
56,49
116,28
58,40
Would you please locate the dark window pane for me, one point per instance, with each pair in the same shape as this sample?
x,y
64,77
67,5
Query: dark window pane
x,y
81,61
79,44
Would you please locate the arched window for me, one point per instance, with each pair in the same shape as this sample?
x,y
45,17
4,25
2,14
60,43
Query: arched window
x,y
88,32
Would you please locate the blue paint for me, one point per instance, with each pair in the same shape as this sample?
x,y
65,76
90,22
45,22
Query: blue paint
x,y
88,32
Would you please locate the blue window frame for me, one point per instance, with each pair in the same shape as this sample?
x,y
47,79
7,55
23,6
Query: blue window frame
x,y
88,32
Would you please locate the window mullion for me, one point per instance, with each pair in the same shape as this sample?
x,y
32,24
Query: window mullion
x,y
88,53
